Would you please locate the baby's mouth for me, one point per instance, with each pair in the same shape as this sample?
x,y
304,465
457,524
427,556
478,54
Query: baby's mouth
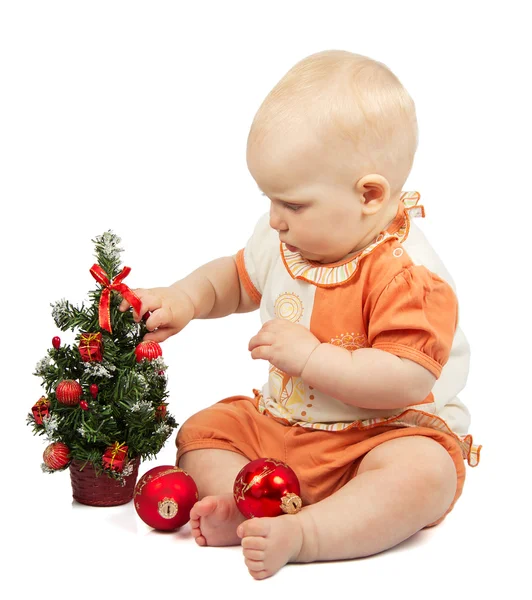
x,y
291,248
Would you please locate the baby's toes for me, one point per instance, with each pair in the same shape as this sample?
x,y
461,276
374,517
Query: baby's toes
x,y
253,543
253,554
194,523
254,551
198,537
256,569
254,528
196,532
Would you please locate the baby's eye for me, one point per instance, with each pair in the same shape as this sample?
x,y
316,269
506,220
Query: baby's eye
x,y
294,207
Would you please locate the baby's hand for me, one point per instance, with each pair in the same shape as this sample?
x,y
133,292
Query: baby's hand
x,y
286,345
171,310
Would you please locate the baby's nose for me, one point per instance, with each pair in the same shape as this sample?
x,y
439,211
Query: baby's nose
x,y
276,221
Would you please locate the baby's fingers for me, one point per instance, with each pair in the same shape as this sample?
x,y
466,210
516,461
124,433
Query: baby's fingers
x,y
263,352
159,325
149,303
125,305
162,317
160,335
262,338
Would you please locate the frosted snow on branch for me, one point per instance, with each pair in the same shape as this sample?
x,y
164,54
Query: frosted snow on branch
x,y
141,405
141,382
60,312
158,364
128,469
51,423
96,369
42,366
163,429
109,244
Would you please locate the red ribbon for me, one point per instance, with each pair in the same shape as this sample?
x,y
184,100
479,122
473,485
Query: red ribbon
x,y
104,310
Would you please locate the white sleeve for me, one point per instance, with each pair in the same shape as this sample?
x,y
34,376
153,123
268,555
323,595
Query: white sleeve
x,y
454,374
255,261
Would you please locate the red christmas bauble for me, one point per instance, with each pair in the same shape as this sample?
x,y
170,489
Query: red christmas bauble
x,y
149,350
266,487
164,497
84,405
56,342
56,456
68,392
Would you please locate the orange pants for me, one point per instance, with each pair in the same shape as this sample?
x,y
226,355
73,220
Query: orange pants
x,y
324,461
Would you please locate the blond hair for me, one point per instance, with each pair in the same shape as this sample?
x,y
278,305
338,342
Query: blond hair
x,y
347,97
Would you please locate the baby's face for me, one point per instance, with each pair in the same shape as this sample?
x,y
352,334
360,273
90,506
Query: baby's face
x,y
314,206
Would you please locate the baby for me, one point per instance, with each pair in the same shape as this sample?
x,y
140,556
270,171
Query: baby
x,y
359,318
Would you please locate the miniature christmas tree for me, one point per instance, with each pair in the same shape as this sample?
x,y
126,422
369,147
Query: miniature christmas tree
x,y
105,396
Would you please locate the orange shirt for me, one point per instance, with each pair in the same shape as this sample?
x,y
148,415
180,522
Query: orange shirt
x,y
377,298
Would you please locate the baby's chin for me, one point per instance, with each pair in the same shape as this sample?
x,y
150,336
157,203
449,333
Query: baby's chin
x,y
324,258
319,258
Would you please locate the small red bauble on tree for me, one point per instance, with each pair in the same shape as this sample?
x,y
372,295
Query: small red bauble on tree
x,y
56,342
93,389
164,497
41,409
56,456
84,405
149,350
266,487
90,347
68,392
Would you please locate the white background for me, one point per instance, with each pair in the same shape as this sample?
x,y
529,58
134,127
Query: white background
x,y
133,116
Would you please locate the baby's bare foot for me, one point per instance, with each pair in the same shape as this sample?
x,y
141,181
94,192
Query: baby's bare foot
x,y
214,519
269,543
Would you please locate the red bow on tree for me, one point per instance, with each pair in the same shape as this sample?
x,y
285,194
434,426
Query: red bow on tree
x,y
104,309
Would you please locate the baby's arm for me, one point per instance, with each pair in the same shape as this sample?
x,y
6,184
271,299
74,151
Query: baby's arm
x,y
368,377
214,290
410,332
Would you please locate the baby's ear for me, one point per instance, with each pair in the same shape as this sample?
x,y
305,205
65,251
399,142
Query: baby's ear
x,y
374,192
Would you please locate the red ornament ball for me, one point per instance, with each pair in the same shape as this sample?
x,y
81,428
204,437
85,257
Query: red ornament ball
x,y
56,456
68,392
266,487
84,405
149,350
56,342
164,497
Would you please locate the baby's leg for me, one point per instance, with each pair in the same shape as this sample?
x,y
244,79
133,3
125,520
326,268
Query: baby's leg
x,y
402,486
215,517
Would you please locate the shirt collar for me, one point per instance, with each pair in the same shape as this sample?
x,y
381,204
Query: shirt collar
x,y
329,275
